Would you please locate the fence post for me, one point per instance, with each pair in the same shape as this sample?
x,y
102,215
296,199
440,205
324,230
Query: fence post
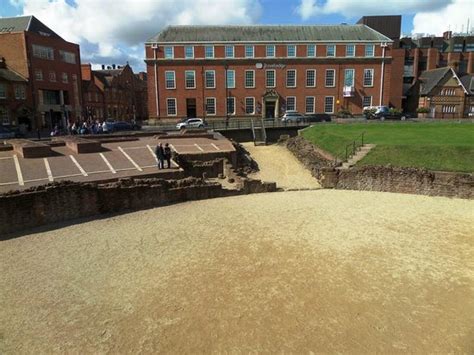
x,y
362,138
346,153
353,148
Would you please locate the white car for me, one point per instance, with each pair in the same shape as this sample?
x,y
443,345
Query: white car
x,y
292,116
191,123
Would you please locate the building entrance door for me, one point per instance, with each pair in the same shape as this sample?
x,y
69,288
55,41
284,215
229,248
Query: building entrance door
x,y
270,109
190,108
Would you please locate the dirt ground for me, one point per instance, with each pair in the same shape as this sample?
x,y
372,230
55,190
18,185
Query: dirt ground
x,y
303,271
276,163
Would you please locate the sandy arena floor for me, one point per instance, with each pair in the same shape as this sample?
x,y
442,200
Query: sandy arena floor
x,y
276,163
322,271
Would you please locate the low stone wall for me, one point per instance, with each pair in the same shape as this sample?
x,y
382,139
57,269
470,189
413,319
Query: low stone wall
x,y
311,156
403,180
380,178
64,201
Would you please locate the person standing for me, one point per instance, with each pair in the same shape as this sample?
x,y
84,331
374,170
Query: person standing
x,y
168,155
160,155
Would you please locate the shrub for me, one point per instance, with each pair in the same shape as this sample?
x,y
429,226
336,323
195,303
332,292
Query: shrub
x,y
344,113
395,111
422,110
370,112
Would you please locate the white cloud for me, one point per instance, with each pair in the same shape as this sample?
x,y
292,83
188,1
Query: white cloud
x,y
111,26
351,8
453,17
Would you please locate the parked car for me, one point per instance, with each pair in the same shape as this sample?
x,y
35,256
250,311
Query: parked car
x,y
317,117
191,123
6,133
122,126
384,112
292,116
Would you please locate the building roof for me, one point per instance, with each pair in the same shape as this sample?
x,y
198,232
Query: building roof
x,y
10,75
430,78
268,33
25,23
468,82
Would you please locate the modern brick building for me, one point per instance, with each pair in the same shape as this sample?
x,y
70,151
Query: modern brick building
x,y
263,71
50,64
114,93
13,97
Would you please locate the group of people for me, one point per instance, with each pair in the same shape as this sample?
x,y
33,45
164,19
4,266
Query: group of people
x,y
162,154
88,127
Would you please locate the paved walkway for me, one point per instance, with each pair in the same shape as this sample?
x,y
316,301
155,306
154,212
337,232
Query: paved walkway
x,y
277,164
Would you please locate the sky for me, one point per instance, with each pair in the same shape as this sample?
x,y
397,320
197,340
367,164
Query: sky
x,y
114,31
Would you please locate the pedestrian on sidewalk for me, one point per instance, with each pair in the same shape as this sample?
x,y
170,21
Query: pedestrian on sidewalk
x,y
168,155
160,155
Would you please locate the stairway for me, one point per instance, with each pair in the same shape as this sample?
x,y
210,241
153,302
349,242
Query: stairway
x,y
359,155
259,134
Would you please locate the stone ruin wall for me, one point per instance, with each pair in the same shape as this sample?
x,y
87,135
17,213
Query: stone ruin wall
x,y
381,178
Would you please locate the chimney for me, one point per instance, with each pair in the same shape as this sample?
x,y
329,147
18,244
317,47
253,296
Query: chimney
x,y
447,35
113,66
103,67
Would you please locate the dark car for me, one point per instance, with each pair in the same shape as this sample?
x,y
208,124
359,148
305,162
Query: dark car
x,y
6,133
317,117
124,126
384,113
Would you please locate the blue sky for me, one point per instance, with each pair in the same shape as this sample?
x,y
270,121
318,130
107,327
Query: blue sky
x,y
113,31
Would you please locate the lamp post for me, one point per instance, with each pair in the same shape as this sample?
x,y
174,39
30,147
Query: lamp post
x,y
384,46
226,97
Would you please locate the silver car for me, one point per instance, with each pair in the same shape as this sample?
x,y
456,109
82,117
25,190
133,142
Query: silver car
x,y
191,123
292,116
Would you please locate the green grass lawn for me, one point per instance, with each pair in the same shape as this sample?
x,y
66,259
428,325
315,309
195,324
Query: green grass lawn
x,y
434,145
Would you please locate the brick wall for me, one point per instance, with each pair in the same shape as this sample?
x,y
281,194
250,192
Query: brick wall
x,y
59,202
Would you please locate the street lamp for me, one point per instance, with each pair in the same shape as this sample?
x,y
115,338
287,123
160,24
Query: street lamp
x,y
226,97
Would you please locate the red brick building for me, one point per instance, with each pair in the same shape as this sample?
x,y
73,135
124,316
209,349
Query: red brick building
x,y
262,71
114,93
13,97
50,64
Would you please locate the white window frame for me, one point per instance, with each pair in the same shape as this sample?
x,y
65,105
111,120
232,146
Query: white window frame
x,y
253,79
168,107
165,48
253,50
64,77
186,80
43,52
20,92
333,78
332,110
266,51
306,104
67,57
213,79
353,48
373,50
266,78
227,81
192,50
205,52
294,105
52,76
363,99
353,76
233,51
327,50
232,98
253,105
4,116
214,104
287,71
307,71
288,50
39,75
372,81
174,79
307,50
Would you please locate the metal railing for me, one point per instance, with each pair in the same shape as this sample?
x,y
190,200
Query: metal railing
x,y
350,149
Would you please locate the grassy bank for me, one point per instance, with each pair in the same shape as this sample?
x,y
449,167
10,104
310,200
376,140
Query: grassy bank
x,y
435,146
